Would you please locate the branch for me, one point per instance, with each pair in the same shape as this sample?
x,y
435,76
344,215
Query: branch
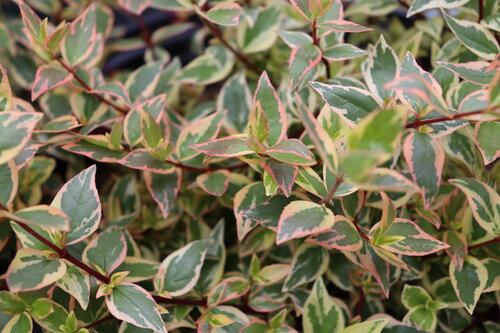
x,y
442,119
217,33
480,4
87,88
188,167
329,196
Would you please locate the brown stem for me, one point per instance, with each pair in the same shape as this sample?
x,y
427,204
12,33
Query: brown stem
x,y
201,302
218,33
480,4
188,167
100,321
439,120
87,87
328,197
470,248
145,33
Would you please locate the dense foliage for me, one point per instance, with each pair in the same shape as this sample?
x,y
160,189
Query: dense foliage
x,y
317,166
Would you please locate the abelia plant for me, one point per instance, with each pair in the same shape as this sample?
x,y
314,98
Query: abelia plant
x,y
314,166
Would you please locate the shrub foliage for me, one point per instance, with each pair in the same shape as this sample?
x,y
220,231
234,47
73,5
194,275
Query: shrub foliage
x,y
318,166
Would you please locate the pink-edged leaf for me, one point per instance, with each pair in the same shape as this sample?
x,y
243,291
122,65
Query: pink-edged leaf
x,y
43,216
134,305
106,251
49,77
246,198
79,42
228,289
418,86
406,237
487,140
26,154
343,52
431,216
425,158
292,151
343,26
458,247
5,91
273,108
9,181
95,152
311,9
225,13
303,59
78,198
214,183
343,236
141,159
135,6
375,265
115,89
475,101
163,188
60,124
15,131
230,146
474,71
31,20
303,218
283,174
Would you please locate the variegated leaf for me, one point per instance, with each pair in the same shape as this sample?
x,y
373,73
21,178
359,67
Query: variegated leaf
x,y
133,304
321,314
245,199
49,314
32,270
142,159
343,236
311,9
225,147
380,68
225,13
343,26
292,151
5,91
375,265
295,38
492,265
94,151
303,218
142,82
413,296
214,183
422,317
474,36
236,98
164,188
139,269
474,71
303,59
283,174
180,271
76,283
343,52
484,201
15,131
43,216
106,251
79,42
61,124
228,289
213,66
351,103
309,263
78,198
11,303
367,326
487,139
9,181
418,6
425,157
200,131
469,282
20,323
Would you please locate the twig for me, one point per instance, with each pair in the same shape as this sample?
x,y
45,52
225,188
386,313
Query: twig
x,y
439,120
145,33
328,197
188,167
480,4
87,87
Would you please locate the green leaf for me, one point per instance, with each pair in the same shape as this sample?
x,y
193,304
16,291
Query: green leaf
x,y
474,71
260,35
492,265
236,98
15,131
258,128
20,323
5,91
321,314
142,82
106,251
139,269
61,124
93,151
31,21
283,174
425,157
309,263
474,36
423,318
211,67
291,151
200,131
44,216
414,296
350,103
484,201
418,6
10,303
487,139
311,9
180,271
343,52
368,326
214,183
379,69
295,38
303,218
133,304
49,314
151,131
54,40
268,210
375,265
164,188
79,42
142,159
470,282
303,59
78,198
245,199
309,180
8,182
230,146
76,283
225,13
343,236
31,270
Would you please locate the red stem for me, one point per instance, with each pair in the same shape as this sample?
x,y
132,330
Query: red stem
x,y
87,87
188,167
480,4
438,120
145,33
490,242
